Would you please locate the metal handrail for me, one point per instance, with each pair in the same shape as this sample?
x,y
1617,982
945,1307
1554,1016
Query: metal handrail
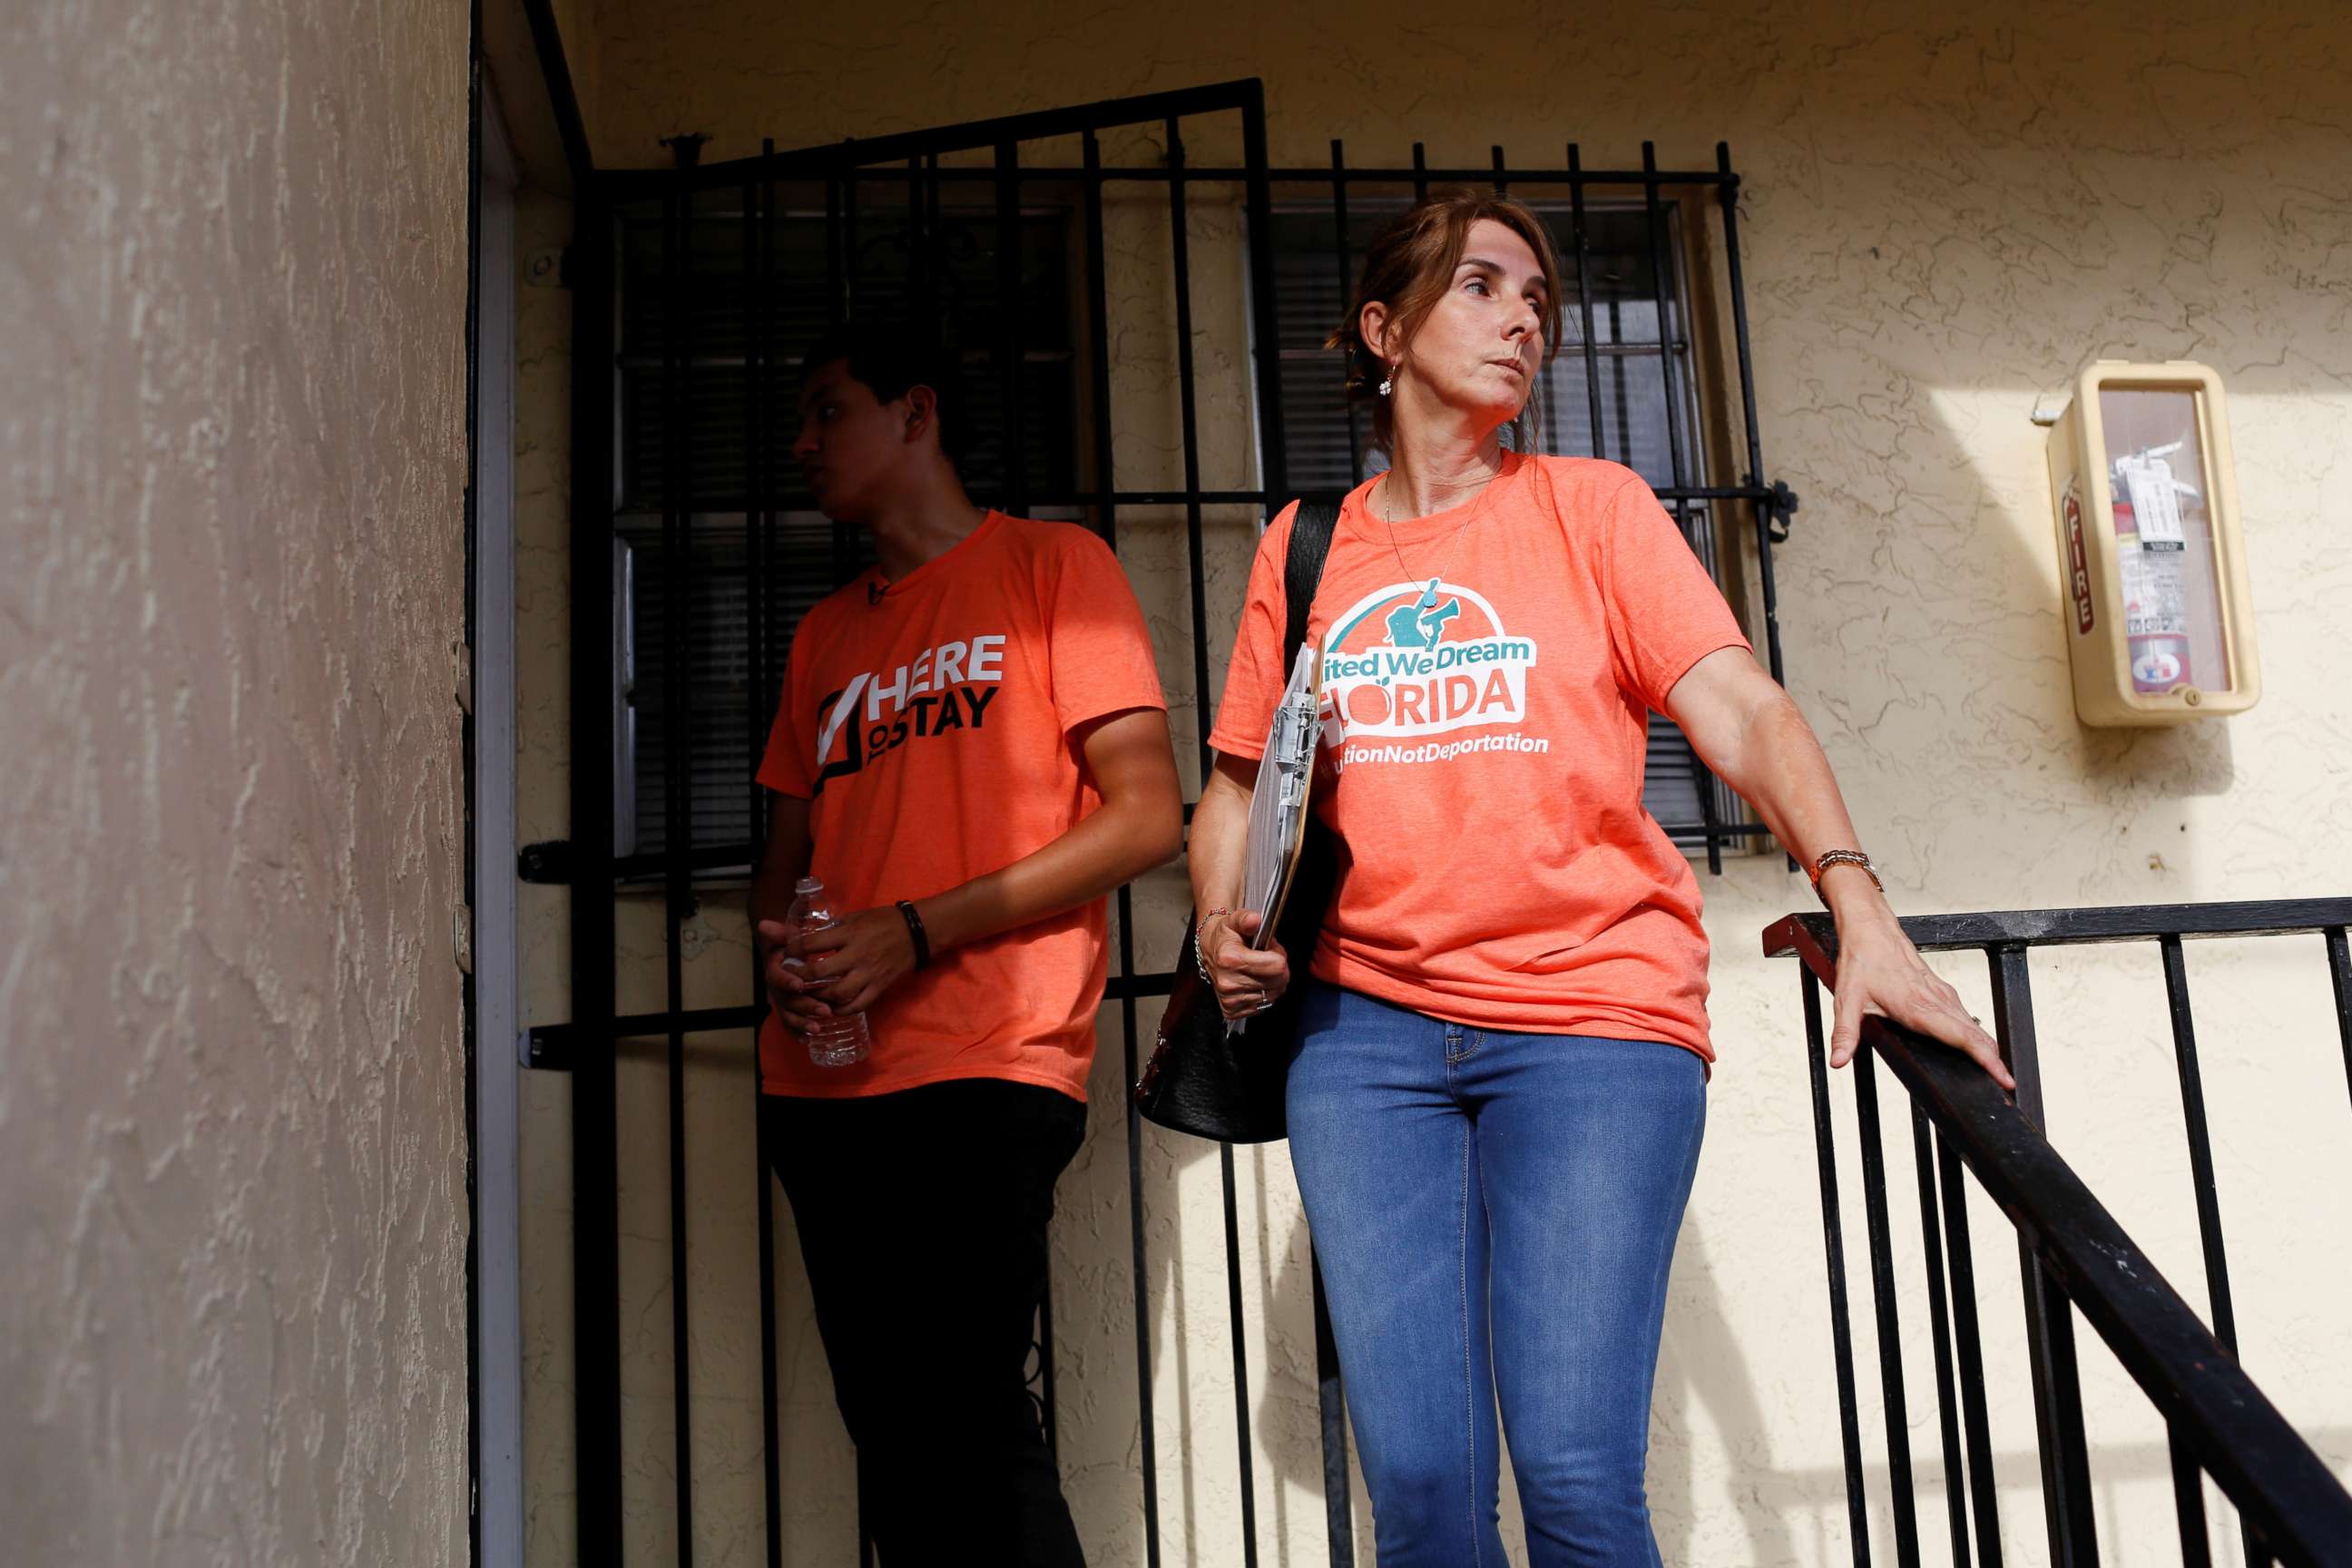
x,y
2072,928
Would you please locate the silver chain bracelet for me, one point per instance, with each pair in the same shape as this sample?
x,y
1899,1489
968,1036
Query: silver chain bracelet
x,y
1200,952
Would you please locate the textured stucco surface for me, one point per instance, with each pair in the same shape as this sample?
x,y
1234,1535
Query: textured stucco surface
x,y
232,1111
1939,227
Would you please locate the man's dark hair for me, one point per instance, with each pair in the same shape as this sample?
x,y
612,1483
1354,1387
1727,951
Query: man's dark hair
x,y
889,358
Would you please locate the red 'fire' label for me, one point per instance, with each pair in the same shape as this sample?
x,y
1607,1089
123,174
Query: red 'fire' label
x,y
2078,563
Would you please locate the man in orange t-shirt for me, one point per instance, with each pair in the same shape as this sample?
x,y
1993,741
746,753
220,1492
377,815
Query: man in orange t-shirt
x,y
971,748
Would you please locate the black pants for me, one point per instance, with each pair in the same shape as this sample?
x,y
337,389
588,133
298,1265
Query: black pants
x,y
922,1220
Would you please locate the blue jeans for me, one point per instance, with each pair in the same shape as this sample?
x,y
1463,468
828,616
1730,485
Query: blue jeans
x,y
1495,1214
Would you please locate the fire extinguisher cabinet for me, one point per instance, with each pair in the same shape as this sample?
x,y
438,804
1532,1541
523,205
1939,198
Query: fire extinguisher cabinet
x,y
2152,566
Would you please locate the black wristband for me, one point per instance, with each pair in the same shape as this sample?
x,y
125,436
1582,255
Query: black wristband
x,y
915,929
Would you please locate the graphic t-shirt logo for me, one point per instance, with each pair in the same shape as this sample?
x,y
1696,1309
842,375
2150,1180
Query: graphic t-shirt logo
x,y
1422,659
946,688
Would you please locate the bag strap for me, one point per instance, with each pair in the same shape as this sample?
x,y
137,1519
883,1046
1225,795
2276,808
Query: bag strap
x,y
1302,570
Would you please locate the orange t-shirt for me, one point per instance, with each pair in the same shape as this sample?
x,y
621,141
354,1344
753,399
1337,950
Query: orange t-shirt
x,y
930,731
1486,676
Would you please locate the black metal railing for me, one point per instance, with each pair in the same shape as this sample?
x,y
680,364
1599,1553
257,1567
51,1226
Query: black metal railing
x,y
2072,1256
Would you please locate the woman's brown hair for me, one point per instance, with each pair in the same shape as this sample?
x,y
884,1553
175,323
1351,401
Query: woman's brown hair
x,y
1409,266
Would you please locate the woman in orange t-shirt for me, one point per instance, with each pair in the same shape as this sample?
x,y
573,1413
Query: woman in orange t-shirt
x,y
1497,1092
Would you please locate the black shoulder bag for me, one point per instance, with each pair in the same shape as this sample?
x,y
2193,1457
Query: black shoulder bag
x,y
1201,1080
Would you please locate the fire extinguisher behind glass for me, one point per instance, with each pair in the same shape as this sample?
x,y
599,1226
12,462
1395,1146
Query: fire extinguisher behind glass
x,y
2151,549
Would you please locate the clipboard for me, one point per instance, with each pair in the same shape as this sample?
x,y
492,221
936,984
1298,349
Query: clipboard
x,y
1281,803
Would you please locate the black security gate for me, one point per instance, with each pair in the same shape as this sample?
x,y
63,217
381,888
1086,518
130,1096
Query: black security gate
x,y
696,549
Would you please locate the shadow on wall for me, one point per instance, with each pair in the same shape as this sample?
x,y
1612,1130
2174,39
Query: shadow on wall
x,y
1702,1368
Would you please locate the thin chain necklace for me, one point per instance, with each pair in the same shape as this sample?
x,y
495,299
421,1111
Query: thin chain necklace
x,y
1428,594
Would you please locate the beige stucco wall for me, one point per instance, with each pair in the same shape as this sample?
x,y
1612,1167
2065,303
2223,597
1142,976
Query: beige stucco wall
x,y
1938,229
232,1101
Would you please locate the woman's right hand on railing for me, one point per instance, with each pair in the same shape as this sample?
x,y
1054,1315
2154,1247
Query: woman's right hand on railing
x,y
1248,979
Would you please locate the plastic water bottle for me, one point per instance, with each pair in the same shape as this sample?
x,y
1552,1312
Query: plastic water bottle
x,y
841,1040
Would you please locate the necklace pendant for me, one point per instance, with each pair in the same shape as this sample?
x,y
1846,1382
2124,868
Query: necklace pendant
x,y
1428,598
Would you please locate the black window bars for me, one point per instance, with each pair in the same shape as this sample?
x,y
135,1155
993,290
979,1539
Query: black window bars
x,y
741,289
2072,1256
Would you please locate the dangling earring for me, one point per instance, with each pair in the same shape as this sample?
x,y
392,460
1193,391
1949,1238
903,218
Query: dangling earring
x,y
1388,383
